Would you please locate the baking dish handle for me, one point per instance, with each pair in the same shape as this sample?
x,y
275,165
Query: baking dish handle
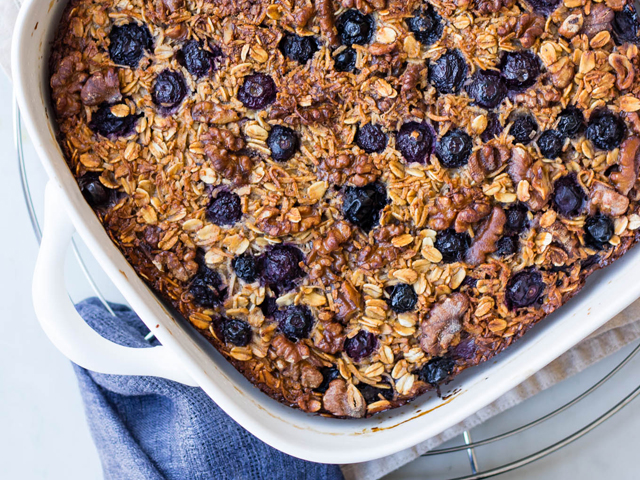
x,y
65,327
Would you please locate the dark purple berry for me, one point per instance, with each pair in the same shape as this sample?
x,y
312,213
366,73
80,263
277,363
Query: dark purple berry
x,y
169,89
362,205
436,370
426,25
297,48
550,143
403,298
570,121
454,148
295,321
245,267
452,245
372,394
224,209
606,130
94,192
598,230
128,42
207,288
626,27
449,72
105,123
280,265
487,88
544,7
257,91
283,142
568,196
371,138
524,129
237,332
269,307
198,61
516,218
466,349
520,69
506,246
345,61
329,374
354,28
494,128
523,289
361,345
415,141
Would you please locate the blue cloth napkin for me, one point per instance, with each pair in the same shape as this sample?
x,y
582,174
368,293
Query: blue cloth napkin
x,y
147,428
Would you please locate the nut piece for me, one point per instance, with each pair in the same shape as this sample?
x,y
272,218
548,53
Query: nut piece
x,y
470,215
326,19
598,20
209,112
101,87
562,72
347,302
441,327
344,400
310,377
486,160
609,201
625,179
485,240
624,70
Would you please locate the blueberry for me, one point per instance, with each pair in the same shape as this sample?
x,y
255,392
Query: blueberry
x,y
524,129
506,246
568,196
449,72
295,321
207,288
550,144
372,394
329,374
224,209
371,138
487,88
426,25
105,123
280,265
516,218
415,141
362,205
94,192
544,7
570,121
606,130
169,89
237,332
128,42
436,370
297,48
520,69
345,61
245,267
494,128
283,142
626,26
198,61
454,148
452,245
269,307
523,289
403,298
598,230
354,27
361,345
257,91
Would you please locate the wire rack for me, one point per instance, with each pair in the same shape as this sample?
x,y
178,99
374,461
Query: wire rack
x,y
465,443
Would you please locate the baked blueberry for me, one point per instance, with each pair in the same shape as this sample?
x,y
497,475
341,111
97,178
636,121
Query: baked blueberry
x,y
128,42
568,196
415,142
448,73
372,394
487,88
297,48
354,28
237,332
436,370
94,192
345,60
520,69
506,246
257,91
403,298
362,205
524,129
606,130
426,25
105,123
598,230
198,61
207,288
626,26
516,218
224,209
454,148
452,245
269,307
494,128
328,375
361,345
371,138
245,267
295,321
169,89
524,289
570,121
283,142
544,7
280,265
550,143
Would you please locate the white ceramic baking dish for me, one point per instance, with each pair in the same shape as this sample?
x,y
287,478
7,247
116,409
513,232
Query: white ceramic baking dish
x,y
185,357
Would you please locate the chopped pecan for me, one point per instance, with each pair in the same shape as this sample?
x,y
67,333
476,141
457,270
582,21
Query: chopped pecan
x,y
326,19
571,25
626,177
540,186
528,28
365,6
410,79
332,240
101,87
519,164
209,112
310,377
344,400
218,145
386,233
442,325
66,85
332,339
287,350
276,223
598,20
302,15
492,6
446,207
172,265
486,160
562,72
607,199
542,96
624,70
378,49
470,215
356,169
347,301
485,240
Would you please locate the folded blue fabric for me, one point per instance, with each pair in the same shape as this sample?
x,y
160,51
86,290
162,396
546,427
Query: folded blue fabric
x,y
147,428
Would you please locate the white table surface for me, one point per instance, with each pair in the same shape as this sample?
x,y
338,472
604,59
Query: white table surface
x,y
43,434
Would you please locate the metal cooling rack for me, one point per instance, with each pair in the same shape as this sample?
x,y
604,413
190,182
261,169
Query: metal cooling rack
x,y
465,443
